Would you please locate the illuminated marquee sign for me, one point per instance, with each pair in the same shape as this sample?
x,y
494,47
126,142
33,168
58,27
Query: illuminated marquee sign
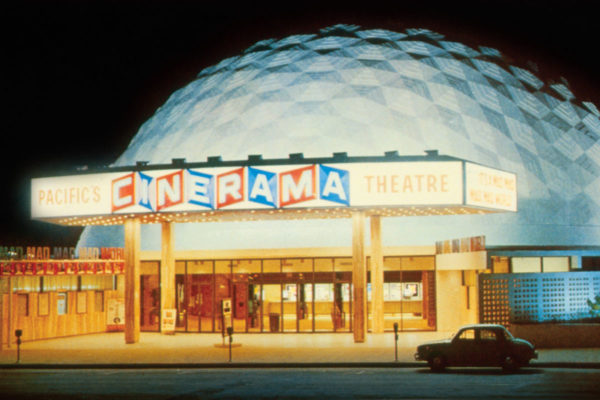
x,y
32,260
228,190
490,188
374,184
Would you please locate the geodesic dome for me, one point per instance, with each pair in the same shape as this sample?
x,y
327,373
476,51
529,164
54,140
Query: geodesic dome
x,y
364,92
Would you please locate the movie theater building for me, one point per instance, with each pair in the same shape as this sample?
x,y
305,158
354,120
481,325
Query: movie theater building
x,y
292,189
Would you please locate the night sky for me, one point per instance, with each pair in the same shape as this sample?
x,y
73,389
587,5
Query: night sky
x,y
82,76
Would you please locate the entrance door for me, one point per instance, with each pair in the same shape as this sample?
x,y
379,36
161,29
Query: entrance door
x,y
149,296
305,307
342,307
324,313
240,306
272,308
194,301
180,303
223,290
290,307
150,303
254,308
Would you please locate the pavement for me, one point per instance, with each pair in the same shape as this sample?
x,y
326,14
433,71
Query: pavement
x,y
156,350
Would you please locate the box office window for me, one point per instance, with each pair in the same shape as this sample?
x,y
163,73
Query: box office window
x,y
43,304
23,305
61,303
99,301
82,299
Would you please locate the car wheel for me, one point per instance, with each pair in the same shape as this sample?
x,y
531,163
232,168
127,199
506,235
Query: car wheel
x,y
437,363
510,364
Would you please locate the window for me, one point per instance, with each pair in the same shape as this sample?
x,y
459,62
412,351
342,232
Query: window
x,y
81,302
61,303
99,301
43,302
590,263
526,264
23,305
468,334
487,334
555,264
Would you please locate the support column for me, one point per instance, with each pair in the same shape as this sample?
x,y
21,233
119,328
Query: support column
x,y
359,277
132,281
167,270
376,276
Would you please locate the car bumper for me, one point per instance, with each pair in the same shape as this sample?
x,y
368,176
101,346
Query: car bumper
x,y
418,357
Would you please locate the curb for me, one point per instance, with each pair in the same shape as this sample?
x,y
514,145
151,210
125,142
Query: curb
x,y
234,365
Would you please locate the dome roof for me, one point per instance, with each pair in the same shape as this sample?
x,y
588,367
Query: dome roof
x,y
365,92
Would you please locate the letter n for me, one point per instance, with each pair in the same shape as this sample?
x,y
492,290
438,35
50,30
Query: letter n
x,y
169,190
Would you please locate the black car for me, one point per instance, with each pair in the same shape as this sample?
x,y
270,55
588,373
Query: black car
x,y
478,345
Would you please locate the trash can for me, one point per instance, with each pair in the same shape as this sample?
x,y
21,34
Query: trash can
x,y
274,322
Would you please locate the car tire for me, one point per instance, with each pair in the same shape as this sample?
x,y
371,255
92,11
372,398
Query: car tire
x,y
437,363
510,363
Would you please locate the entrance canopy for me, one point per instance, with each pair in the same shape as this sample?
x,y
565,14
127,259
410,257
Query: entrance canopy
x,y
294,188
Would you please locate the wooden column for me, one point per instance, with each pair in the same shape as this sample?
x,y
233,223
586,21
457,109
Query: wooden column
x,y
132,281
359,277
376,276
167,269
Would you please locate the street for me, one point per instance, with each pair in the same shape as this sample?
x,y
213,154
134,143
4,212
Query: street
x,y
298,383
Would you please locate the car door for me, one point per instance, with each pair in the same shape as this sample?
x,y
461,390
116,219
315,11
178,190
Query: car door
x,y
489,346
464,348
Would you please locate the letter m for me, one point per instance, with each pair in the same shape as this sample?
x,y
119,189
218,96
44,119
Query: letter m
x,y
297,186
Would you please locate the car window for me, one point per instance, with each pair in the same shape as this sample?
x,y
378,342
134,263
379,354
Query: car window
x,y
487,334
467,334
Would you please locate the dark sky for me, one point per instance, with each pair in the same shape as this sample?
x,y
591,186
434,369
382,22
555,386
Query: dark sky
x,y
82,76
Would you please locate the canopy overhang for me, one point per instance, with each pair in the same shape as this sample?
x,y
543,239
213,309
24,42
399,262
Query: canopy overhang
x,y
257,189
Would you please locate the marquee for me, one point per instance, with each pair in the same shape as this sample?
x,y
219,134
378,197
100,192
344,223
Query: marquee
x,y
440,185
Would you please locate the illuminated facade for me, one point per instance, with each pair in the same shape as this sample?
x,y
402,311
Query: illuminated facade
x,y
351,93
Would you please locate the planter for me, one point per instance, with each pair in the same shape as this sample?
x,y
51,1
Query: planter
x,y
558,335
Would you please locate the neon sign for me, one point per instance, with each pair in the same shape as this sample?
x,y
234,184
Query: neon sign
x,y
230,188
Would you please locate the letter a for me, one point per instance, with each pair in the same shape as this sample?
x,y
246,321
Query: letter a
x,y
334,184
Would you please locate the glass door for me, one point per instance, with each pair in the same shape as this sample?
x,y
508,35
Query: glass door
x,y
290,307
180,303
324,313
194,300
223,290
254,308
271,295
240,305
206,304
150,297
342,306
305,307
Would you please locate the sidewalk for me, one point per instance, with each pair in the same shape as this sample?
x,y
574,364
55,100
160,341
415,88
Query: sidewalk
x,y
189,349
